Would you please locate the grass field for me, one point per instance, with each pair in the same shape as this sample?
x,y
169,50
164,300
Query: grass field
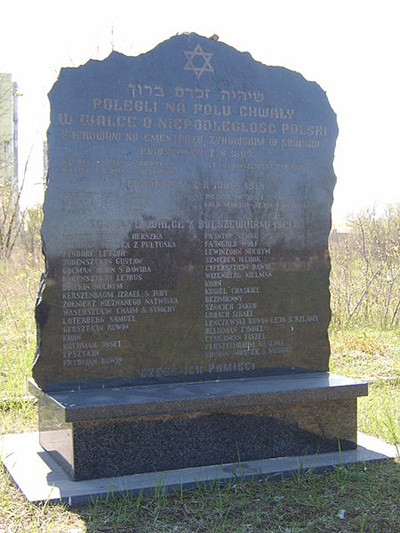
x,y
359,498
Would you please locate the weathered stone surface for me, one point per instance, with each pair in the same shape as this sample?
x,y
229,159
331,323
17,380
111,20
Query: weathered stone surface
x,y
186,220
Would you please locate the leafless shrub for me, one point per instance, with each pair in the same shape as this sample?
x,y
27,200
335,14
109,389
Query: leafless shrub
x,y
365,277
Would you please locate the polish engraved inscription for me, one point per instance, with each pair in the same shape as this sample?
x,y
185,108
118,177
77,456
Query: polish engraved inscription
x,y
186,220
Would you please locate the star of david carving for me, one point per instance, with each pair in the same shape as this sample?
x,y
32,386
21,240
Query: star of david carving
x,y
191,65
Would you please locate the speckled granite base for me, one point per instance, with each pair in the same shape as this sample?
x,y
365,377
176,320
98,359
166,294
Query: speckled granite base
x,y
197,424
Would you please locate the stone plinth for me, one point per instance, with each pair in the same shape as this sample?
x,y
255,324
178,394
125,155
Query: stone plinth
x,y
98,433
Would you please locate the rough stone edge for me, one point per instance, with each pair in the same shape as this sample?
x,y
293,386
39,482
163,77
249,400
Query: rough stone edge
x,y
41,479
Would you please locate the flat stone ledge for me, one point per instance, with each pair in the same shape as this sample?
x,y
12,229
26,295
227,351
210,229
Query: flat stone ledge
x,y
111,403
41,479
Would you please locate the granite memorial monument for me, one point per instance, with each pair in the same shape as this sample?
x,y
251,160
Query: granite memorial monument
x,y
183,315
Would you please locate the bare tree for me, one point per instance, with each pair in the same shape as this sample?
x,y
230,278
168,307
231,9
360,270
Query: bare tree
x,y
11,220
365,280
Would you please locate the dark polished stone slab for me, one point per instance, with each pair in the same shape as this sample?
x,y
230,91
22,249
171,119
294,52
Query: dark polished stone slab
x,y
207,439
109,403
102,433
186,220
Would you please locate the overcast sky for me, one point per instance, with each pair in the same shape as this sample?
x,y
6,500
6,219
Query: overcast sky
x,y
350,47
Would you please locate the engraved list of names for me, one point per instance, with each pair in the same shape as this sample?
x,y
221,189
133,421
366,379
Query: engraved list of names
x,y
186,220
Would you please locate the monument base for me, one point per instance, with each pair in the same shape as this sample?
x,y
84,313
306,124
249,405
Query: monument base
x,y
97,433
42,480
